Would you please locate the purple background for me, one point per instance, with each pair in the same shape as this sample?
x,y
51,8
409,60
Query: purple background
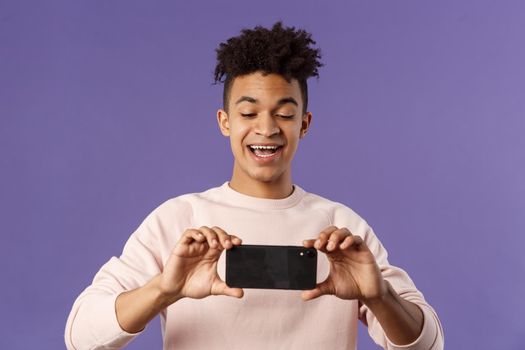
x,y
107,110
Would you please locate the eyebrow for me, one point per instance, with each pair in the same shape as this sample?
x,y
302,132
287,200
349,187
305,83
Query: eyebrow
x,y
282,101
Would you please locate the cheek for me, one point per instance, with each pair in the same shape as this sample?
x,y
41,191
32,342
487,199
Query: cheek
x,y
293,134
238,135
294,139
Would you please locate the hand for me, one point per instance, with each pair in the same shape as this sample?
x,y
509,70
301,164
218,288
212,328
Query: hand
x,y
191,270
354,273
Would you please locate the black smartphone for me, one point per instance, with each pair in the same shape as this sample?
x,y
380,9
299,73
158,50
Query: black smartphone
x,y
271,267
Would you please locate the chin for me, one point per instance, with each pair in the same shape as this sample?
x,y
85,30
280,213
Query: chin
x,y
264,176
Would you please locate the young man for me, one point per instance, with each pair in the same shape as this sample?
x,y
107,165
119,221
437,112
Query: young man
x,y
173,264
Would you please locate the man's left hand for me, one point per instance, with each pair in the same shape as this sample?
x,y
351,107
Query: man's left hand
x,y
354,273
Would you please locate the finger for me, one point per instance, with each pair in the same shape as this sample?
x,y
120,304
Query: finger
x,y
323,237
308,243
329,229
224,238
191,235
311,294
351,241
336,238
236,240
322,288
221,288
211,237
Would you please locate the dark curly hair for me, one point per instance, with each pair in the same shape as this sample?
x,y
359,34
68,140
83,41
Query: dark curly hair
x,y
284,51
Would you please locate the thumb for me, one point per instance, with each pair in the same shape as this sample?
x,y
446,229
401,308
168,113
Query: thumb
x,y
322,288
219,287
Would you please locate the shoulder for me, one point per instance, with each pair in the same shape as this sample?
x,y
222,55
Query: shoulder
x,y
183,204
172,214
338,213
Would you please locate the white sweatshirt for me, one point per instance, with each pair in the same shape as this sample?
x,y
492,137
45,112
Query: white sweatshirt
x,y
262,319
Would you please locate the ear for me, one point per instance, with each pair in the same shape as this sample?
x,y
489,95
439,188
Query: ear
x,y
305,124
224,122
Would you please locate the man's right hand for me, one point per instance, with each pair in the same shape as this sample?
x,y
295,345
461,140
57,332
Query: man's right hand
x,y
191,270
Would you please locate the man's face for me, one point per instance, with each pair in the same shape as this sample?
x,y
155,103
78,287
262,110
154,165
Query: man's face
x,y
263,110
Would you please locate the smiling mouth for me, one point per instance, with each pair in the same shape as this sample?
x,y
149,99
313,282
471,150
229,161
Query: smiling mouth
x,y
264,152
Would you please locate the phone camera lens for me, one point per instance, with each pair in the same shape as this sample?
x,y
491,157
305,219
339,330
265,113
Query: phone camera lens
x,y
309,253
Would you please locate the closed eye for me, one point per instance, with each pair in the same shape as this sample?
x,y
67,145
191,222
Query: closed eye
x,y
279,115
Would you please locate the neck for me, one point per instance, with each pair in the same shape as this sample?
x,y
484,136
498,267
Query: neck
x,y
279,188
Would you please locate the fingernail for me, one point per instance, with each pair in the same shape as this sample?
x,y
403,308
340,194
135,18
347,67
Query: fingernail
x,y
330,245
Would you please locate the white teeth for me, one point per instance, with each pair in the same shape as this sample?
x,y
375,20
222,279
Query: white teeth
x,y
263,147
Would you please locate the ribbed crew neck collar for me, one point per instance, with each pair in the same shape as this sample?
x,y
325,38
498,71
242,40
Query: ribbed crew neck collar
x,y
244,200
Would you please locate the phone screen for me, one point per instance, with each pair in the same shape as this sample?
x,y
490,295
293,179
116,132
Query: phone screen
x,y
271,267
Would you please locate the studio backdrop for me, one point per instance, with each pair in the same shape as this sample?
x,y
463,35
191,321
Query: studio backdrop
x,y
107,109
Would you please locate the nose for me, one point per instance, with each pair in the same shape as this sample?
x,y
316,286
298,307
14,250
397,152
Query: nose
x,y
266,126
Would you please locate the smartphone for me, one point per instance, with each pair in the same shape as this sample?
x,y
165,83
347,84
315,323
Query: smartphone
x,y
271,267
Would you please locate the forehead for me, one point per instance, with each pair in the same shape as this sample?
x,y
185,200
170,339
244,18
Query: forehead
x,y
265,88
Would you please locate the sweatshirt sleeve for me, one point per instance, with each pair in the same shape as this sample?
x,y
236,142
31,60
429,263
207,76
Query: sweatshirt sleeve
x,y
431,337
92,322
